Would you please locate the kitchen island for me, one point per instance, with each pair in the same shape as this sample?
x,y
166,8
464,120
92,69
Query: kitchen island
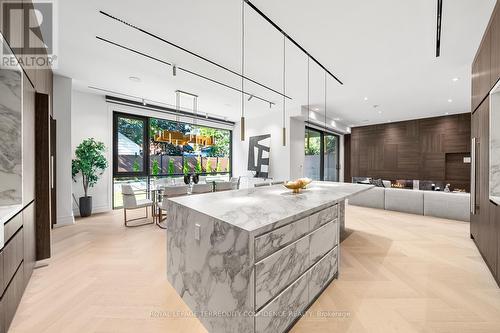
x,y
253,260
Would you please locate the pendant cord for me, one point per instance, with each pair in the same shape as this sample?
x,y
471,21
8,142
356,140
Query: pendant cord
x,y
284,89
242,57
308,101
325,101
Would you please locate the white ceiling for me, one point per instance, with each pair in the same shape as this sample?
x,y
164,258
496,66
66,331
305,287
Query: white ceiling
x,y
383,50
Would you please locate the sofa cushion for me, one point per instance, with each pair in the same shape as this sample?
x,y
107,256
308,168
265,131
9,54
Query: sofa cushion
x,y
405,201
373,198
454,206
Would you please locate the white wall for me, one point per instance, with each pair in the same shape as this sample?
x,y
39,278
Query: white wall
x,y
286,162
62,114
279,165
92,119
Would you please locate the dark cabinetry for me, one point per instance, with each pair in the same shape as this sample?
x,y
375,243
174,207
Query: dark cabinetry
x,y
485,216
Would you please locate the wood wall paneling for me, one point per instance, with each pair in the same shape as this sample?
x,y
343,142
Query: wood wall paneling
x,y
414,149
347,158
42,176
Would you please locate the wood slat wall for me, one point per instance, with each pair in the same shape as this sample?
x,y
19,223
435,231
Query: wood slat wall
x,y
424,149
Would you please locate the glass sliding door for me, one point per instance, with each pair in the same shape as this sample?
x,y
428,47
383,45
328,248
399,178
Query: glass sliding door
x,y
321,155
331,157
313,157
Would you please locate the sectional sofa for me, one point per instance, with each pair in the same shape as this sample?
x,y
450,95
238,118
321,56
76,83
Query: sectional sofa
x,y
453,206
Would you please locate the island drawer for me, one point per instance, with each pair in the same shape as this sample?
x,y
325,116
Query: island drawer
x,y
322,273
274,273
323,240
323,217
274,240
277,316
11,227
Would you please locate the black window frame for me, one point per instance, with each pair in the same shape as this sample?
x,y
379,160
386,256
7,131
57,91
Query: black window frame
x,y
322,134
145,146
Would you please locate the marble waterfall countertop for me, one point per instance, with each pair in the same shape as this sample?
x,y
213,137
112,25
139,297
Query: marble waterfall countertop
x,y
6,213
253,209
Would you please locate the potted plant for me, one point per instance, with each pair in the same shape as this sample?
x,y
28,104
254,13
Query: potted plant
x,y
187,176
90,162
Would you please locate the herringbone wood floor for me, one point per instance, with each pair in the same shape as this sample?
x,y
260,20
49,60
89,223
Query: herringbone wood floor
x,y
399,273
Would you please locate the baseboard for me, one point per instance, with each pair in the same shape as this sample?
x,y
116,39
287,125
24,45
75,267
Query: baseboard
x,y
64,221
95,210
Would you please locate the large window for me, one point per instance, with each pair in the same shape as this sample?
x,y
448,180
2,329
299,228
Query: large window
x,y
147,149
321,155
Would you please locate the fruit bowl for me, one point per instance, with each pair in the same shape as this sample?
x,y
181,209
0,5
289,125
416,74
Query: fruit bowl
x,y
298,184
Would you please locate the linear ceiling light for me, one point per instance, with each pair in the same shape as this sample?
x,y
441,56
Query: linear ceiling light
x,y
438,28
188,51
180,68
275,26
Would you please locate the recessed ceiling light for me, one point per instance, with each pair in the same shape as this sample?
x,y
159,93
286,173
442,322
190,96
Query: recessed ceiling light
x,y
316,109
366,98
134,79
380,112
450,100
455,79
389,121
447,113
337,119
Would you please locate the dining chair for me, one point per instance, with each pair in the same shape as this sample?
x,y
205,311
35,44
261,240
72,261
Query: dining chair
x,y
236,182
202,188
130,202
175,191
171,192
224,186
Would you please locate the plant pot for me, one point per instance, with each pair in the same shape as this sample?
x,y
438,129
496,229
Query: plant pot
x,y
196,178
187,179
85,206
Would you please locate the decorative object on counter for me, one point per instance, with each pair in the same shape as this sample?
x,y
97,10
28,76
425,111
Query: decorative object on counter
x,y
90,162
447,188
258,155
11,92
433,187
305,181
297,185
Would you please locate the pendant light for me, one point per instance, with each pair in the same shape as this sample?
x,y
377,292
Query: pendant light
x,y
284,83
177,105
242,123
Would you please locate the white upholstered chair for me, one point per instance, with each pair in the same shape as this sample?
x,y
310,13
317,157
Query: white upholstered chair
x,y
202,188
130,202
224,186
